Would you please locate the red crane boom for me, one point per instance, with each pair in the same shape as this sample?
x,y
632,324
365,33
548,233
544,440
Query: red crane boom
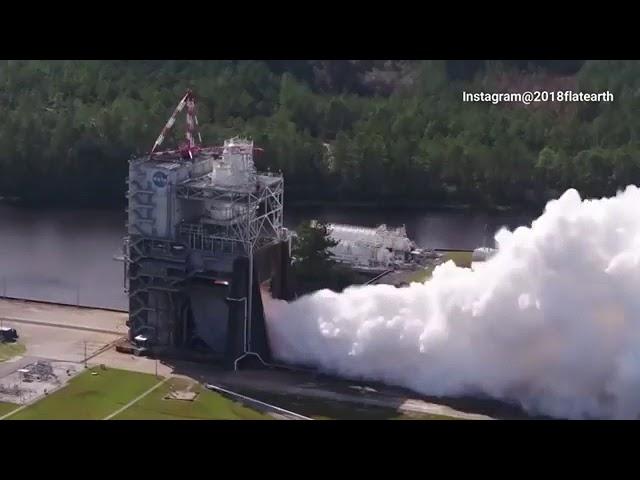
x,y
190,148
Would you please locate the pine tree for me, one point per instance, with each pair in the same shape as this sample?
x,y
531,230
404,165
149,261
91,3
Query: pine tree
x,y
313,260
313,243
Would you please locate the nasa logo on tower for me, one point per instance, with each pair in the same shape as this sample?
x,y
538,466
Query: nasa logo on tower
x,y
160,179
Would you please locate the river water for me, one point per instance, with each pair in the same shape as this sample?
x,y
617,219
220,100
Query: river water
x,y
67,256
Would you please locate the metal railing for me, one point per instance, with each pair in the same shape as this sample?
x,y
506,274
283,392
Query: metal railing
x,y
198,239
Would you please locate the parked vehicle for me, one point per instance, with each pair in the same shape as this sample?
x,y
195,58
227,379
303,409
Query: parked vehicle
x,y
8,334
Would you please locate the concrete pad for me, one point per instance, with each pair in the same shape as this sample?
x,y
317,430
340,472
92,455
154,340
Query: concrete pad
x,y
62,344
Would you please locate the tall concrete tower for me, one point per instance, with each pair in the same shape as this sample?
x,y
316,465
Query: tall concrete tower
x,y
205,235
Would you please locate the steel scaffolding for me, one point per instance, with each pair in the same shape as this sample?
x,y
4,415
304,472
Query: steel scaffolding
x,y
258,224
234,220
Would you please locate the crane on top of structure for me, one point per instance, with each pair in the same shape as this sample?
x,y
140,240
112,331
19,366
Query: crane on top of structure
x,y
190,148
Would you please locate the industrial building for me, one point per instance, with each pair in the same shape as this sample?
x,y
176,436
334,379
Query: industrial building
x,y
205,239
373,249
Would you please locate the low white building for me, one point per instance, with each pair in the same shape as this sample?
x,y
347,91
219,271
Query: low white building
x,y
379,247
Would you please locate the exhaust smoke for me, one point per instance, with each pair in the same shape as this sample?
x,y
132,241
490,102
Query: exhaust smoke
x,y
551,322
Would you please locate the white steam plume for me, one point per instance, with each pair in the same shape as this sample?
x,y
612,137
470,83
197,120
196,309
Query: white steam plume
x,y
552,321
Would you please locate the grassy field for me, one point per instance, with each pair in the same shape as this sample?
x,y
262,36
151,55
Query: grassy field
x,y
10,350
7,407
94,397
90,397
461,259
206,406
321,409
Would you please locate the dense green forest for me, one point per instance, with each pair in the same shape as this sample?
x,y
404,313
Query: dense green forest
x,y
356,131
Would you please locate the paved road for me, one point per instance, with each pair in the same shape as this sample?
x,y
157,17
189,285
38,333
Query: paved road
x,y
61,325
57,315
61,342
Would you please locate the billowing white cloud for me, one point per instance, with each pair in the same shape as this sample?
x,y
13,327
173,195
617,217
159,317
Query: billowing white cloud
x,y
552,321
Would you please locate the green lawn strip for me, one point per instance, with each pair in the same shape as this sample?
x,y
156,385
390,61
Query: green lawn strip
x,y
10,350
207,405
7,407
325,409
90,397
